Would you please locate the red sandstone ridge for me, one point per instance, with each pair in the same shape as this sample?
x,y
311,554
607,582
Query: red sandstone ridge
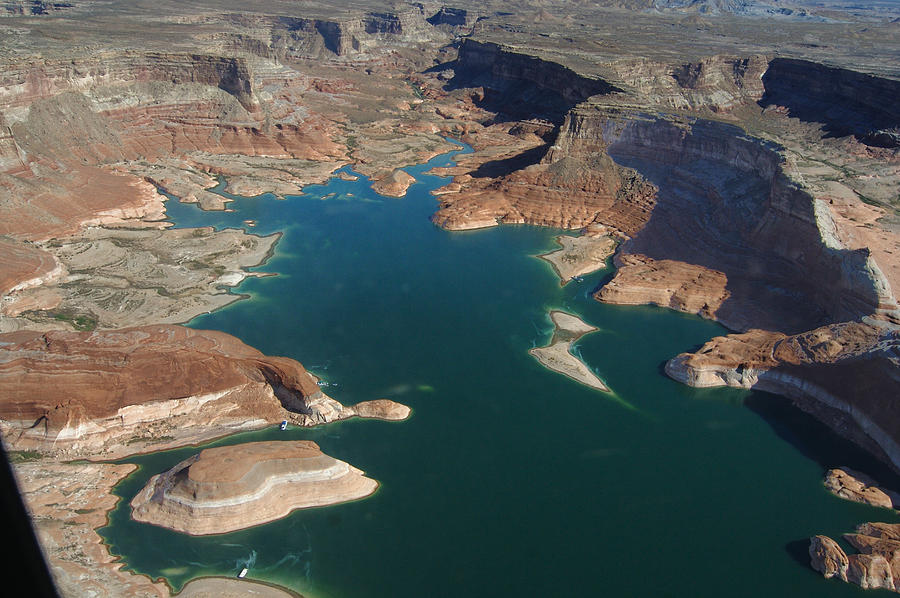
x,y
85,392
846,374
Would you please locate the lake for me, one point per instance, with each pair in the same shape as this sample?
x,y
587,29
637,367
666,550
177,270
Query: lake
x,y
509,479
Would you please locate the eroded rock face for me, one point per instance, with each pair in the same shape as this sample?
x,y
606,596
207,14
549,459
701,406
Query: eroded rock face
x,y
84,393
640,280
858,487
876,566
830,95
828,558
846,374
233,487
572,193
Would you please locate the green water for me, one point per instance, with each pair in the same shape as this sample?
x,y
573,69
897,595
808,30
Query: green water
x,y
509,479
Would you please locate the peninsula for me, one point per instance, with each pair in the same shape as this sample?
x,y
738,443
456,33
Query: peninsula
x,y
557,355
579,255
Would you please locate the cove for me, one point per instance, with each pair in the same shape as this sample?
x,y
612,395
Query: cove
x,y
509,479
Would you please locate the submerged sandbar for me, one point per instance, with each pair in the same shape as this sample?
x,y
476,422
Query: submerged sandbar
x,y
557,355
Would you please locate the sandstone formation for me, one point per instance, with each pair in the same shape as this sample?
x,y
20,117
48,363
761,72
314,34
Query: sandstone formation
x,y
557,355
686,287
756,189
114,392
112,278
760,226
858,487
228,488
394,184
874,567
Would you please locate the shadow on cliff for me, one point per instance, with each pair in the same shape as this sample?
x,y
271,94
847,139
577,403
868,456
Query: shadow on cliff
x,y
509,100
816,441
519,86
844,102
724,204
499,168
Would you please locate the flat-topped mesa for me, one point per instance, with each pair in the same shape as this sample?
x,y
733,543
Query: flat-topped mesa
x,y
228,488
357,34
116,392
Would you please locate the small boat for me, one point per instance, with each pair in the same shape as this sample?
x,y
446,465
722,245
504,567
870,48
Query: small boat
x,y
244,570
578,278
283,426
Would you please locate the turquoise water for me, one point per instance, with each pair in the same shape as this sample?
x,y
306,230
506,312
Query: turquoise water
x,y
509,479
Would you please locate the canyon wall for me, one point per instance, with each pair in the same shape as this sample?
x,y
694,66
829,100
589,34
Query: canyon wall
x,y
315,37
716,220
523,85
845,101
726,203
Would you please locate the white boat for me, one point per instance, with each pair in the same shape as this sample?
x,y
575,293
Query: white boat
x,y
283,426
243,572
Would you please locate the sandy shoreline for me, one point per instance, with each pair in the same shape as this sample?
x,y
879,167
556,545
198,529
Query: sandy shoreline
x,y
557,355
227,587
578,256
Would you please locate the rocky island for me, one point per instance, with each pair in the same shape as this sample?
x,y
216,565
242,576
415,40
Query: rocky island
x,y
232,487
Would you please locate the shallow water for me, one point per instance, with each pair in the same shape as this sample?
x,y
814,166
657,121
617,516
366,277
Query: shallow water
x,y
509,479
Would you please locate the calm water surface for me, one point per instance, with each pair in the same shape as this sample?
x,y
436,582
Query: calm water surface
x,y
509,479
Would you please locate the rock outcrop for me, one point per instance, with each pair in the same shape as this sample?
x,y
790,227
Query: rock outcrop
x,y
640,280
567,193
858,487
110,392
68,503
876,566
228,488
394,183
